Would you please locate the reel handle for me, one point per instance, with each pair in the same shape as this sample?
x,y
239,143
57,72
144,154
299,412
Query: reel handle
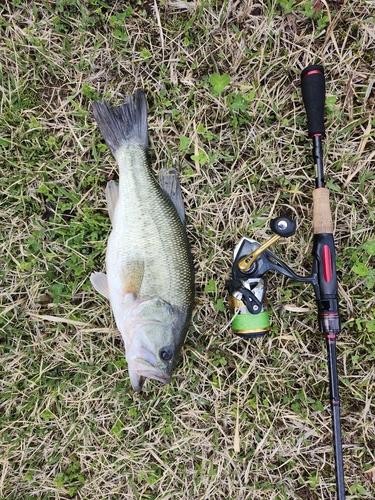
x,y
283,226
313,93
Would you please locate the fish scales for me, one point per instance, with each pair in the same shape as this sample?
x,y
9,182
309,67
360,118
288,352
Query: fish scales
x,y
145,217
150,279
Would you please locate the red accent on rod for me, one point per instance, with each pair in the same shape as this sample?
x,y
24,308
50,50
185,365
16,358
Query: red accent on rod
x,y
327,263
312,72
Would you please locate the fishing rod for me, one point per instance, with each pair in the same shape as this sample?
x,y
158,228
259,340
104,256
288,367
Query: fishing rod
x,y
251,262
313,93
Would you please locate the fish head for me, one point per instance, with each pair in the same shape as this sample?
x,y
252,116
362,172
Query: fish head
x,y
154,332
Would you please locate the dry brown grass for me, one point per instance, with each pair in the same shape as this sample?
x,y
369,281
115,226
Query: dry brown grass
x,y
70,425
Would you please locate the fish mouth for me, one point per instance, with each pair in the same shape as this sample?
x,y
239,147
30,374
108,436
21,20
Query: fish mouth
x,y
139,369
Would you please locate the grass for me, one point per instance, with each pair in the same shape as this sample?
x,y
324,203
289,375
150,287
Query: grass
x,y
222,83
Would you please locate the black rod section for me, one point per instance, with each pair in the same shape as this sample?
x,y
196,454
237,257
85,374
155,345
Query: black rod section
x,y
318,160
335,409
313,94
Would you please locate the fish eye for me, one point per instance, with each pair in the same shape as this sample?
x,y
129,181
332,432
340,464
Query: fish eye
x,y
166,353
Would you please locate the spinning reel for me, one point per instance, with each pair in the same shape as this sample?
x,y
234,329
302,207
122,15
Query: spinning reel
x,y
248,286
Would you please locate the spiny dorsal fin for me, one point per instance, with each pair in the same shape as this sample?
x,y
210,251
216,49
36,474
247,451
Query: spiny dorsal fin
x,y
111,194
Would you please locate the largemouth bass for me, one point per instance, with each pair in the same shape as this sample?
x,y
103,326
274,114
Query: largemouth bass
x,y
149,280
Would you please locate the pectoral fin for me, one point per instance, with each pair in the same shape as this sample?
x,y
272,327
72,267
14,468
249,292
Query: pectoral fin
x,y
111,194
132,276
100,283
170,183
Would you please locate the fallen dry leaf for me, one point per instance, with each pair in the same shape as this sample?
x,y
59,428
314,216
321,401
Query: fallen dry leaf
x,y
318,5
370,474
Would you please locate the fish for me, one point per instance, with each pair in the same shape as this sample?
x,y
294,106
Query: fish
x,y
149,279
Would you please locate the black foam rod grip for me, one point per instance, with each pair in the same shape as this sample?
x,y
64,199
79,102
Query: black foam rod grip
x,y
314,92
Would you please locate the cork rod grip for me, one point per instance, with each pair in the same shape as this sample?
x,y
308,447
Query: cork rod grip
x,y
322,219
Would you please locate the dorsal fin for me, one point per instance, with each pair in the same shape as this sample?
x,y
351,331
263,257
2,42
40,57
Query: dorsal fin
x,y
111,194
169,182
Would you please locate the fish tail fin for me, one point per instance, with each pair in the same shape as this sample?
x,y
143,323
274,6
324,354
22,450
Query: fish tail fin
x,y
124,124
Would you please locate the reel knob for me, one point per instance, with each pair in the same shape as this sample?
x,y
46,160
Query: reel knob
x,y
283,226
